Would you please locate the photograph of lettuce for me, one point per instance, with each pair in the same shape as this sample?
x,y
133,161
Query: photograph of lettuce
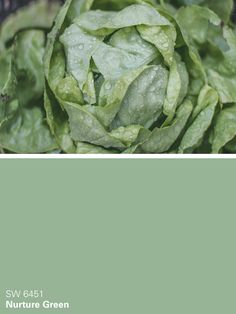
x,y
118,77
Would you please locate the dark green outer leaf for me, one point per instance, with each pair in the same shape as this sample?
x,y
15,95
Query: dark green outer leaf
x,y
225,128
27,132
36,15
